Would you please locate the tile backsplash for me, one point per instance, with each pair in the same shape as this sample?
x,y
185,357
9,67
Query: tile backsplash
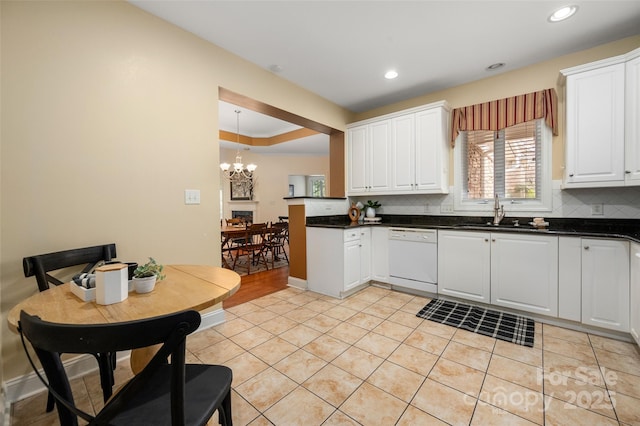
x,y
614,203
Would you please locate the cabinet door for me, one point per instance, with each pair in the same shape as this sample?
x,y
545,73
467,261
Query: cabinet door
x,y
570,278
325,271
431,172
365,255
351,264
632,122
635,293
379,149
595,126
524,272
464,265
380,254
605,283
357,159
403,153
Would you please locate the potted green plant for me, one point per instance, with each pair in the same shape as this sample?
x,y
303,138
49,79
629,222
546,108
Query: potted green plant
x,y
371,207
145,276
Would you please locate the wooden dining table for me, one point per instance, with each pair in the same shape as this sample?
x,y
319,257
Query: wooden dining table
x,y
185,287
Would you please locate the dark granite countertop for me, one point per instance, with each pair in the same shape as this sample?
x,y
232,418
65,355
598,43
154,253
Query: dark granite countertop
x,y
602,228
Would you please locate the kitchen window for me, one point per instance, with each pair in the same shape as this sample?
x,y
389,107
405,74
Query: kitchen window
x,y
514,162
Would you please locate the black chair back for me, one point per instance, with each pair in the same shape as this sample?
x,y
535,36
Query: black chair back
x,y
160,394
40,265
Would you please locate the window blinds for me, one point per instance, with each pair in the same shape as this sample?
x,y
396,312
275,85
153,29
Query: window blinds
x,y
506,162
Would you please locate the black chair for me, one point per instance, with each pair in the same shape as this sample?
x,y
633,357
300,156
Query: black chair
x,y
161,394
40,266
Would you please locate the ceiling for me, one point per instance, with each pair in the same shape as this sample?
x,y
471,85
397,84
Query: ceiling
x,y
340,50
257,125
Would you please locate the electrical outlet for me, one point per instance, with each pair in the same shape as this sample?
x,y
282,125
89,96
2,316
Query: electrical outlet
x,y
427,208
446,208
192,196
597,209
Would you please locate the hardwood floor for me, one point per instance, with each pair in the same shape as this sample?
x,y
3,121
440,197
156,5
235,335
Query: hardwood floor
x,y
259,284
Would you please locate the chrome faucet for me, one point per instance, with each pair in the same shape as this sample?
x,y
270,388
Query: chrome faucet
x,y
498,211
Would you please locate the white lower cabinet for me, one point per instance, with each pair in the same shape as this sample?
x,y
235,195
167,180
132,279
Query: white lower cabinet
x,y
570,278
332,271
357,257
380,254
464,265
505,269
634,326
524,272
605,283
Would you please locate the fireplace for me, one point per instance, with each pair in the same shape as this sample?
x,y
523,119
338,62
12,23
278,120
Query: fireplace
x,y
247,215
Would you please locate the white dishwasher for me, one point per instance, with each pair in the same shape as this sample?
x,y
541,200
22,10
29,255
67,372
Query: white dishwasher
x,y
413,258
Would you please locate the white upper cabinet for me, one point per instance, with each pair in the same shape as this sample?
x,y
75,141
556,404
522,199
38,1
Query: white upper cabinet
x,y
409,149
632,122
368,157
602,123
432,150
403,153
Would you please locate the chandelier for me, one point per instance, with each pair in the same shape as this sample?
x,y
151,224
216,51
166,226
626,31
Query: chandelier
x,y
238,173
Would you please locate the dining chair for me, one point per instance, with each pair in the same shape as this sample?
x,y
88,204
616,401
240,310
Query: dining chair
x,y
163,393
277,240
232,243
253,247
42,265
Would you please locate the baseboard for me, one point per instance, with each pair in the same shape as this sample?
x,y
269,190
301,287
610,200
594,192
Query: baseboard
x,y
209,319
6,410
297,283
25,386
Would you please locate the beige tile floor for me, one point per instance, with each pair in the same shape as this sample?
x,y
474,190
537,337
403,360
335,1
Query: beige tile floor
x,y
300,358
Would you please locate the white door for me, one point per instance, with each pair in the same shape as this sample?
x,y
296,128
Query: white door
x,y
634,309
632,122
595,125
357,153
379,151
464,265
365,255
524,272
351,264
428,159
380,254
403,153
605,283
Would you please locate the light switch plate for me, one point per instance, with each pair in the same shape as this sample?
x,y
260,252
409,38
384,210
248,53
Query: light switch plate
x,y
446,208
192,196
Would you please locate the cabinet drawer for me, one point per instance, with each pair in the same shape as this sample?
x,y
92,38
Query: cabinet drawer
x,y
351,235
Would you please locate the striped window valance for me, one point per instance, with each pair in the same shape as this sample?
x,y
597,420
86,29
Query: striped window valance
x,y
502,113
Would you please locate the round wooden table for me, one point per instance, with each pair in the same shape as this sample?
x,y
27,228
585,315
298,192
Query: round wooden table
x,y
185,287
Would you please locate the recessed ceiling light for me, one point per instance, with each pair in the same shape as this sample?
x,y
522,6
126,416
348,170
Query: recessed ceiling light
x,y
390,75
563,13
495,66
